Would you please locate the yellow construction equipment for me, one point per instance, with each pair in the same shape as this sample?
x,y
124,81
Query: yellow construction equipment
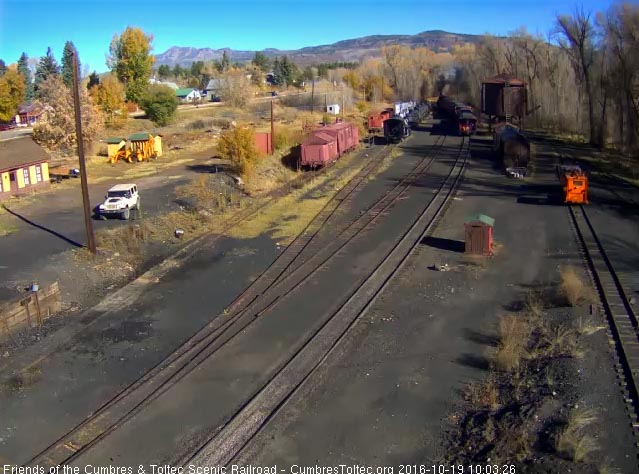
x,y
139,147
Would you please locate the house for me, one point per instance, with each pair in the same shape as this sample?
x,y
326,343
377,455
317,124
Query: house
x,y
24,167
188,95
214,89
29,114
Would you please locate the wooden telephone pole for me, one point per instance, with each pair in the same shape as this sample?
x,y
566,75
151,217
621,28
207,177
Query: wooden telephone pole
x,y
83,169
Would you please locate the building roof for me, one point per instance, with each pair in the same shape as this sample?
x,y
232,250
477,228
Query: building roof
x,y
483,218
19,152
31,109
114,140
184,92
505,79
140,136
215,84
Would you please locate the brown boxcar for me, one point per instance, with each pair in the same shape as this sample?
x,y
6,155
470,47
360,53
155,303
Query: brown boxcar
x,y
504,95
319,149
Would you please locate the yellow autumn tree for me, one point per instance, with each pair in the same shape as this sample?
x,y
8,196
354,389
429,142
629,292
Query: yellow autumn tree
x,y
131,61
109,96
237,144
12,91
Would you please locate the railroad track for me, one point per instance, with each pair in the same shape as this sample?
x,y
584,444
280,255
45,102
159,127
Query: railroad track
x,y
278,280
224,447
619,312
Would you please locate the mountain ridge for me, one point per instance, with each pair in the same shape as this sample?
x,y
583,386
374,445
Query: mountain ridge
x,y
354,49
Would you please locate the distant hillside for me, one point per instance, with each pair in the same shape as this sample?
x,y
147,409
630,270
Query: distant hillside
x,y
347,50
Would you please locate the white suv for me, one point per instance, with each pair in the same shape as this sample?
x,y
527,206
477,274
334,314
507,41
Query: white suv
x,y
120,199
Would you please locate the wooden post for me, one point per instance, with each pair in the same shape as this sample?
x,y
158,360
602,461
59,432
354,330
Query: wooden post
x,y
272,130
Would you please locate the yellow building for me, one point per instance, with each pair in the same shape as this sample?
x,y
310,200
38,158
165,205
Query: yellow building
x,y
24,167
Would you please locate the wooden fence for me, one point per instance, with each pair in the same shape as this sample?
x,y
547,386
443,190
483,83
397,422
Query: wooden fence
x,y
29,310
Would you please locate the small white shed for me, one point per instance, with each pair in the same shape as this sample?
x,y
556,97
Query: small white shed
x,y
332,109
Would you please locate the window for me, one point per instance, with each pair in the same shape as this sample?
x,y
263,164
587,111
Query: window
x,y
25,174
38,169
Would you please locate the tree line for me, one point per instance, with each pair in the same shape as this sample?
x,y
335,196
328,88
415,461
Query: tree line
x,y
583,76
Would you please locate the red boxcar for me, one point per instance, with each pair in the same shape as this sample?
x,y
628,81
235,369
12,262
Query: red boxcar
x,y
319,149
345,133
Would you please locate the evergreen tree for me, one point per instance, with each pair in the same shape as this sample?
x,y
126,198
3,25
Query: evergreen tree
x,y
260,60
164,71
46,67
94,80
226,61
67,63
23,69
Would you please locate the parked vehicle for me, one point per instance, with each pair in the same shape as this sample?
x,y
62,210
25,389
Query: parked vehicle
x,y
120,200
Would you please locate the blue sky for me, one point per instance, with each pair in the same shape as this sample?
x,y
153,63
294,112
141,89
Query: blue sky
x,y
32,25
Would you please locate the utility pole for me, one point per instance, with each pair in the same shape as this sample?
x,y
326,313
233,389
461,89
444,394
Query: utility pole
x,y
83,168
272,130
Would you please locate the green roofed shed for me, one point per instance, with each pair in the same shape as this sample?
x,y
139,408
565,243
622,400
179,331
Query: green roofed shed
x,y
481,218
141,136
479,234
114,140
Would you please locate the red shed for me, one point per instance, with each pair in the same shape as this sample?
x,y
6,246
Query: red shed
x,y
263,143
479,235
319,149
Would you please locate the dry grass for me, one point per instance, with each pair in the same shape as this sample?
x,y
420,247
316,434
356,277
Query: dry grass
x,y
162,228
484,395
514,334
286,217
534,304
6,227
574,441
587,326
125,242
22,380
573,288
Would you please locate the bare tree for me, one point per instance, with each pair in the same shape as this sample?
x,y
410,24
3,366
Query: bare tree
x,y
578,42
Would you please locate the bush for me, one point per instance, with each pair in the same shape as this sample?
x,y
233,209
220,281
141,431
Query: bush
x,y
327,119
237,144
286,138
160,104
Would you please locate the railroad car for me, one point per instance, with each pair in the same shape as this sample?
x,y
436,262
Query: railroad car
x,y
467,123
395,130
574,182
326,144
318,150
512,147
504,95
376,120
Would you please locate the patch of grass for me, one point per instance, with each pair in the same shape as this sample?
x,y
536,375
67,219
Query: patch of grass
x,y
289,215
484,395
22,380
194,224
573,289
574,442
6,227
514,335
